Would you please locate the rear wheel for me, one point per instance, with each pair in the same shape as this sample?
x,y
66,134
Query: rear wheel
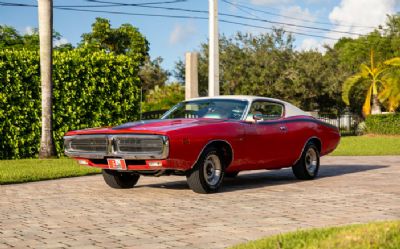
x,y
206,176
116,179
308,165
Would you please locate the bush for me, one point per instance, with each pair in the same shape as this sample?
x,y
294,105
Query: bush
x,y
164,97
90,90
388,124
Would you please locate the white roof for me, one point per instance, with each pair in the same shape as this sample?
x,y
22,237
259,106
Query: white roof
x,y
290,110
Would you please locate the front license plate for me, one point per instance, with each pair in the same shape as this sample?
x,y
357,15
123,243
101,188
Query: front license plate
x,y
117,164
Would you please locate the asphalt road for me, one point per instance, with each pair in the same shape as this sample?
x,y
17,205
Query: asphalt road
x,y
164,213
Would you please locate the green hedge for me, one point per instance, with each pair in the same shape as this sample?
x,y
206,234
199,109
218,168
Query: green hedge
x,y
90,90
388,124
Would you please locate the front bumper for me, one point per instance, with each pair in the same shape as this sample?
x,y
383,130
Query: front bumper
x,y
132,165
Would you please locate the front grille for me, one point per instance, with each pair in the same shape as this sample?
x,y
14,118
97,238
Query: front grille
x,y
89,144
132,146
139,144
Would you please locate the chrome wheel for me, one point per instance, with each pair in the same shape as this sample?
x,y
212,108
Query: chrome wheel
x,y
311,161
212,169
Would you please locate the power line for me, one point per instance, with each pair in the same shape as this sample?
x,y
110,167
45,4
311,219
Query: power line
x,y
161,15
228,15
293,32
110,4
237,5
204,12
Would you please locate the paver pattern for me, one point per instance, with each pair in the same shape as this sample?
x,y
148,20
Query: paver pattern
x,y
164,213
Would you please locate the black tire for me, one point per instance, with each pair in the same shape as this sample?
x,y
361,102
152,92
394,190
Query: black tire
x,y
116,179
208,172
308,165
231,174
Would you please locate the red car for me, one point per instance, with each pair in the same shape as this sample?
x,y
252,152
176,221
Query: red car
x,y
207,139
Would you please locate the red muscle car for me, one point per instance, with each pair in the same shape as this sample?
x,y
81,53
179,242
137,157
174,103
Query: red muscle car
x,y
207,139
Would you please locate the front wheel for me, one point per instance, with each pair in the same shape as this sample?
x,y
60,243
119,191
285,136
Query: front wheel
x,y
308,165
116,179
206,176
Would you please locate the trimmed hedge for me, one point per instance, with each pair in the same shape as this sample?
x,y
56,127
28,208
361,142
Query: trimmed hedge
x,y
90,90
387,124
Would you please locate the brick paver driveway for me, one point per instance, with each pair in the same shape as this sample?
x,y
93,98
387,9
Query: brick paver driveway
x,y
164,213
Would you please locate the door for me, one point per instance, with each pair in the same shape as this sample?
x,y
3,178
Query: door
x,y
266,135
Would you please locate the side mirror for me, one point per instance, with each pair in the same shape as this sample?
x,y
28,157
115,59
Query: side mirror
x,y
257,117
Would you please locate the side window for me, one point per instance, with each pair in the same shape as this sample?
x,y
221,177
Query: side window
x,y
268,110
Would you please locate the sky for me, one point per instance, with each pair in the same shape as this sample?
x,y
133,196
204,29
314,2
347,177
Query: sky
x,y
313,22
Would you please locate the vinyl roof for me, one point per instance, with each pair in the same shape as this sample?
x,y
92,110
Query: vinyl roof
x,y
290,110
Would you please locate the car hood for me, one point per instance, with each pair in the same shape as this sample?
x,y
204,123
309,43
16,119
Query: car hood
x,y
158,126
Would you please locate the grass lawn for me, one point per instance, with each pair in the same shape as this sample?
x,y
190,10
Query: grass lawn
x,y
29,170
374,235
368,145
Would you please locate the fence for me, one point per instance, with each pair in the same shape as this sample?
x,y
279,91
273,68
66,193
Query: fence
x,y
347,123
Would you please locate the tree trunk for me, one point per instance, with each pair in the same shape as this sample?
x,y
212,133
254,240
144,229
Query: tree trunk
x,y
376,107
45,13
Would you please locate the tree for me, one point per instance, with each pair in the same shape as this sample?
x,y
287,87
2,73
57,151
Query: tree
x,y
163,97
45,8
123,40
390,95
375,77
152,74
11,38
267,65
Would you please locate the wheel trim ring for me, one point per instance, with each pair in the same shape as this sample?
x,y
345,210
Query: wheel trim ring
x,y
212,170
311,161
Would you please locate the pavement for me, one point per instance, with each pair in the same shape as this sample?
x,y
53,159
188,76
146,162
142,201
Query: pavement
x,y
163,212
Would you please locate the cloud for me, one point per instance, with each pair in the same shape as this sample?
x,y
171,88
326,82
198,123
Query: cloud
x,y
29,30
350,14
60,42
311,44
353,16
298,13
182,33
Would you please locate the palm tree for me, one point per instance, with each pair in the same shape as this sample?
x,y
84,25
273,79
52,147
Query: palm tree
x,y
45,13
390,95
379,77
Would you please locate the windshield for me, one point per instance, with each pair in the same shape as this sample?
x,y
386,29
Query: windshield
x,y
208,108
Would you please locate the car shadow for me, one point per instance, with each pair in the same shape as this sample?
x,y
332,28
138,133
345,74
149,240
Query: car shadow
x,y
259,179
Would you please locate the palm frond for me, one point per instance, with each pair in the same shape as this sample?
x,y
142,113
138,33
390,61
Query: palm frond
x,y
365,71
348,85
393,62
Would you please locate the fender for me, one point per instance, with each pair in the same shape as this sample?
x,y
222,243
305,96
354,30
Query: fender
x,y
207,144
304,146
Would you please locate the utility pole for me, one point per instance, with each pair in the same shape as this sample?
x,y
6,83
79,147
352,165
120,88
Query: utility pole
x,y
45,14
213,56
191,76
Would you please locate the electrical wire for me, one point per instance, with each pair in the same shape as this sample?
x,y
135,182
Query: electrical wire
x,y
2,3
229,15
237,5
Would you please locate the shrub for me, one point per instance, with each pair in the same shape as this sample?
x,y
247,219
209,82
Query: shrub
x,y
164,97
388,124
90,90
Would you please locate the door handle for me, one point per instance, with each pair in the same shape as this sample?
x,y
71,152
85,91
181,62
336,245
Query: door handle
x,y
283,128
